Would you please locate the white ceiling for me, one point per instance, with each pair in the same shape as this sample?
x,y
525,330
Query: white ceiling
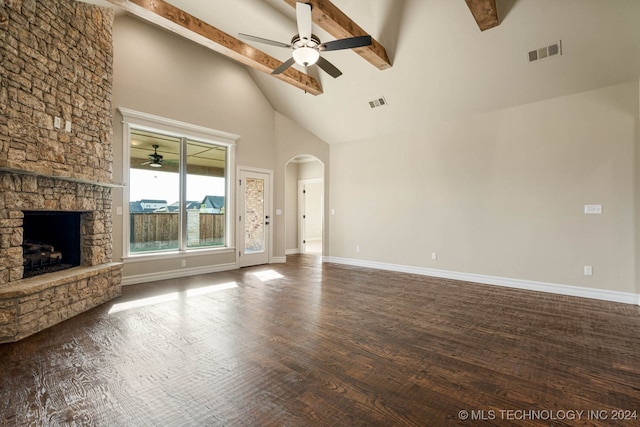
x,y
443,66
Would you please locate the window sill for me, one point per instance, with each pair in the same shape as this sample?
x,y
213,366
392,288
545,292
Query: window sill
x,y
192,253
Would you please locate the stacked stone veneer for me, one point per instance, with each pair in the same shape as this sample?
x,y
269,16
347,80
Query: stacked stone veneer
x,y
56,60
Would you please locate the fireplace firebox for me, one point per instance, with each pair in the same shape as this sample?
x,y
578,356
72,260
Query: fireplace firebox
x,y
51,241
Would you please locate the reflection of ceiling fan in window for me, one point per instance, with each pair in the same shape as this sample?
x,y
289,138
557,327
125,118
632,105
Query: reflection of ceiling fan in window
x,y
155,159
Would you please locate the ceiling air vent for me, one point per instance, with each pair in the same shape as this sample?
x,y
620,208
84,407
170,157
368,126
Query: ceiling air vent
x,y
379,102
554,49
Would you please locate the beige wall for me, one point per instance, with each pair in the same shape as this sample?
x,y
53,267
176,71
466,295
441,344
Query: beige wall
x,y
291,207
637,200
293,141
294,173
499,194
158,73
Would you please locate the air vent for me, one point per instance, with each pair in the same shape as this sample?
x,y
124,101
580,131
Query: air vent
x,y
554,49
379,102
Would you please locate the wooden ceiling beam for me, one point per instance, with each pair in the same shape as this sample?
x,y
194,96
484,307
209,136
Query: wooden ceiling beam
x,y
180,22
331,19
485,12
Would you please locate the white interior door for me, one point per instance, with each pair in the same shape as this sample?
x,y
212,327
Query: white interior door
x,y
311,208
254,217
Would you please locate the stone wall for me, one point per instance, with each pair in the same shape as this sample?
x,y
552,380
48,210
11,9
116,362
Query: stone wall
x,y
56,60
20,192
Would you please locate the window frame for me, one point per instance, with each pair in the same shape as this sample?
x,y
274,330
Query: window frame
x,y
148,122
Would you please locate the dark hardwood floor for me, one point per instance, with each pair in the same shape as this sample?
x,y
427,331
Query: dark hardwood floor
x,y
305,344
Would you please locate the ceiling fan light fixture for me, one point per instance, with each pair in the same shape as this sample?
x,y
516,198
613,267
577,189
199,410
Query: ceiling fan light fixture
x,y
155,165
306,55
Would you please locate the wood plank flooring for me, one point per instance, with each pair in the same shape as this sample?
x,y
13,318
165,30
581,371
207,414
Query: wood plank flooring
x,y
312,344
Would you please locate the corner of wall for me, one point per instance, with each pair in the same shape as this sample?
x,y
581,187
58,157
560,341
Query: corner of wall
x,y
637,193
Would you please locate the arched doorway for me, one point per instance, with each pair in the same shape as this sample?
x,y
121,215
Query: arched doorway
x,y
304,205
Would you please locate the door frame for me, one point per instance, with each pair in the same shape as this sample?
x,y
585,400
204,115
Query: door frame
x,y
240,230
302,211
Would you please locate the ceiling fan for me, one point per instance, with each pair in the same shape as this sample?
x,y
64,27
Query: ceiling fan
x,y
306,47
155,159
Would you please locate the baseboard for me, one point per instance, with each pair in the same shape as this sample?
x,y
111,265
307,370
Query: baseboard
x,y
174,274
554,288
278,259
292,251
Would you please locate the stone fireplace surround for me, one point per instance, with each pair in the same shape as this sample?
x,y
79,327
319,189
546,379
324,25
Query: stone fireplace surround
x,y
30,305
57,66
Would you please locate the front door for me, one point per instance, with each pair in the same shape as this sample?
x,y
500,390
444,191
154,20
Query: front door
x,y
254,217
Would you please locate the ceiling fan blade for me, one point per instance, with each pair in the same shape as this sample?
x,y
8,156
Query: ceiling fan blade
x,y
328,68
261,40
303,17
288,63
348,43
145,163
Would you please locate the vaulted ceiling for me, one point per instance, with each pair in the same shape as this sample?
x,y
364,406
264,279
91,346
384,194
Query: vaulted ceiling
x,y
442,65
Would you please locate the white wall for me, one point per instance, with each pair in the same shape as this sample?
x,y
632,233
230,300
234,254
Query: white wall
x,y
499,194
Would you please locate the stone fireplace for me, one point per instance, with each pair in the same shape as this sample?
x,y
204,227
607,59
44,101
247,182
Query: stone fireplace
x,y
29,305
56,163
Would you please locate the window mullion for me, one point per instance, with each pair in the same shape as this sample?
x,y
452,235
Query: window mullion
x,y
183,195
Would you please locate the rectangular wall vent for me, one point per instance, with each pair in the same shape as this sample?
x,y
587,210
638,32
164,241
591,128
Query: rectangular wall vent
x,y
379,102
554,49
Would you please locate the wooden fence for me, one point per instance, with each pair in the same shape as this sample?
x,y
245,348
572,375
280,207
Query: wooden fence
x,y
159,230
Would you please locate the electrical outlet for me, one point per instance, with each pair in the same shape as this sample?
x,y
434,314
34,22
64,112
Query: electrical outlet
x,y
434,255
57,122
588,270
593,209
183,263
67,126
358,248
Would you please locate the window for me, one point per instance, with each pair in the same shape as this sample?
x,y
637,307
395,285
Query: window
x,y
178,187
